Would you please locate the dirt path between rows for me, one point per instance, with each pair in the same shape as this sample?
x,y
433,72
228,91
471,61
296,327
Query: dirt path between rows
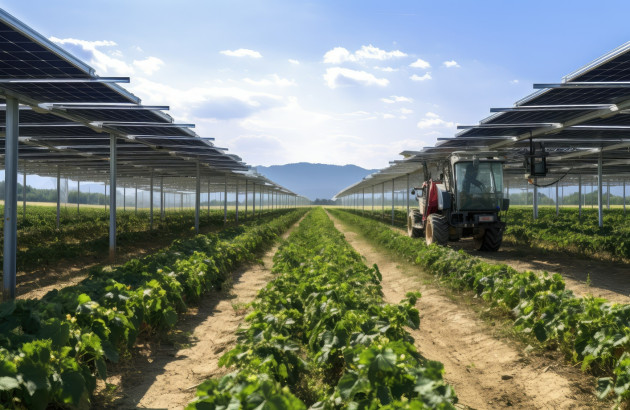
x,y
485,372
166,376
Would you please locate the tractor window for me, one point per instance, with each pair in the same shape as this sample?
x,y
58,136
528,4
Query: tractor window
x,y
479,187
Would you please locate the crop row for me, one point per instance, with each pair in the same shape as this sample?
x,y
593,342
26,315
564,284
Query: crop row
x,y
589,331
320,335
565,232
52,349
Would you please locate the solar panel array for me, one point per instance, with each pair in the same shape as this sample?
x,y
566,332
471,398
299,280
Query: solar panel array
x,y
68,113
579,120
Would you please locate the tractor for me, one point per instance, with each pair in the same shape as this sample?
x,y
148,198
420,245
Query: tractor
x,y
465,200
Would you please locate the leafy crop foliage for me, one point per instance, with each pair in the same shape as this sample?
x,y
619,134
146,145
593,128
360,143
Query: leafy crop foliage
x,y
41,243
566,232
52,349
589,331
320,335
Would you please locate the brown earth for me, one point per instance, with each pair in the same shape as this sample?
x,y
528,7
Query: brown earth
x,y
485,370
166,375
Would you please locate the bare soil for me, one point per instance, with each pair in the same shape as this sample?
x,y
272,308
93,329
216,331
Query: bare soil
x,y
486,370
166,374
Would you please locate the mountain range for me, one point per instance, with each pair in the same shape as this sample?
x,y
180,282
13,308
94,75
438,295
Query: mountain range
x,y
315,181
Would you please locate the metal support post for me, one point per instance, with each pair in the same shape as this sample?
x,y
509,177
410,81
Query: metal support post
x,y
608,194
392,202
363,202
78,197
151,201
407,194
9,278
135,201
208,196
557,201
372,198
197,198
225,201
600,183
580,196
383,202
246,198
112,196
181,201
236,196
59,196
253,200
624,196
535,200
162,198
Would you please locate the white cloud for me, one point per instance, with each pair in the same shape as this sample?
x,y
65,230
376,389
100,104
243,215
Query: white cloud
x,y
433,120
274,80
89,51
386,69
338,76
406,111
242,52
420,63
149,65
397,98
425,77
451,64
388,116
375,53
339,55
294,62
514,82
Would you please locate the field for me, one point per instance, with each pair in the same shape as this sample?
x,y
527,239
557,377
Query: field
x,y
345,311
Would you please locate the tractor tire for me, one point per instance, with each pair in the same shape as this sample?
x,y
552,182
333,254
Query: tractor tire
x,y
436,230
454,234
491,240
414,218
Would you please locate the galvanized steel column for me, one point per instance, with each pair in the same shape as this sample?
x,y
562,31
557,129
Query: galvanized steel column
x,y
624,196
363,202
78,197
392,202
600,213
236,201
580,196
135,201
10,198
246,198
407,194
557,201
225,201
197,198
535,200
608,193
383,202
58,195
112,196
151,201
253,199
162,198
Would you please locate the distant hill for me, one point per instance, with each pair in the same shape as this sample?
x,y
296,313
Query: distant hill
x,y
315,180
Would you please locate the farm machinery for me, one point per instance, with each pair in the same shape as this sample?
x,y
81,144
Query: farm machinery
x,y
465,198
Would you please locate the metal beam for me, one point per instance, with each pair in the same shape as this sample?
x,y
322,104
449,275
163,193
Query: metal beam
x,y
64,80
9,277
545,108
584,84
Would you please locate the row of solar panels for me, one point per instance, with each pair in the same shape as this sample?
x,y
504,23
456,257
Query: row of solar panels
x,y
67,114
578,121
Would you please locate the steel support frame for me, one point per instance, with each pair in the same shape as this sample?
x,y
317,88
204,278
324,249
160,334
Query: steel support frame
x,y
151,201
393,180
9,278
112,196
600,183
59,196
197,196
225,200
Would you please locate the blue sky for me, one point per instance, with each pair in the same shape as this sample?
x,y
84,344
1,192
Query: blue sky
x,y
330,81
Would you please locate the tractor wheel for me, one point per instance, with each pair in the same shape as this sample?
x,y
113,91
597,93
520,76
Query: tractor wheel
x,y
414,218
454,234
491,240
436,230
